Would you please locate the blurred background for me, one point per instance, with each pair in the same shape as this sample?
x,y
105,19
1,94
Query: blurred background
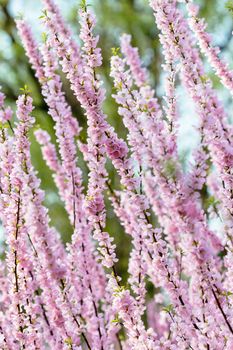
x,y
114,18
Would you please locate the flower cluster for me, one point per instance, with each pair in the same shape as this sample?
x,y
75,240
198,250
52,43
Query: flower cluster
x,y
179,293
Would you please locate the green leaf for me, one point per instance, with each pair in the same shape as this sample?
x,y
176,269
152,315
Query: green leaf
x,y
119,290
204,78
83,5
44,14
169,308
115,51
68,341
25,90
4,125
116,320
229,5
170,168
211,202
227,294
44,37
